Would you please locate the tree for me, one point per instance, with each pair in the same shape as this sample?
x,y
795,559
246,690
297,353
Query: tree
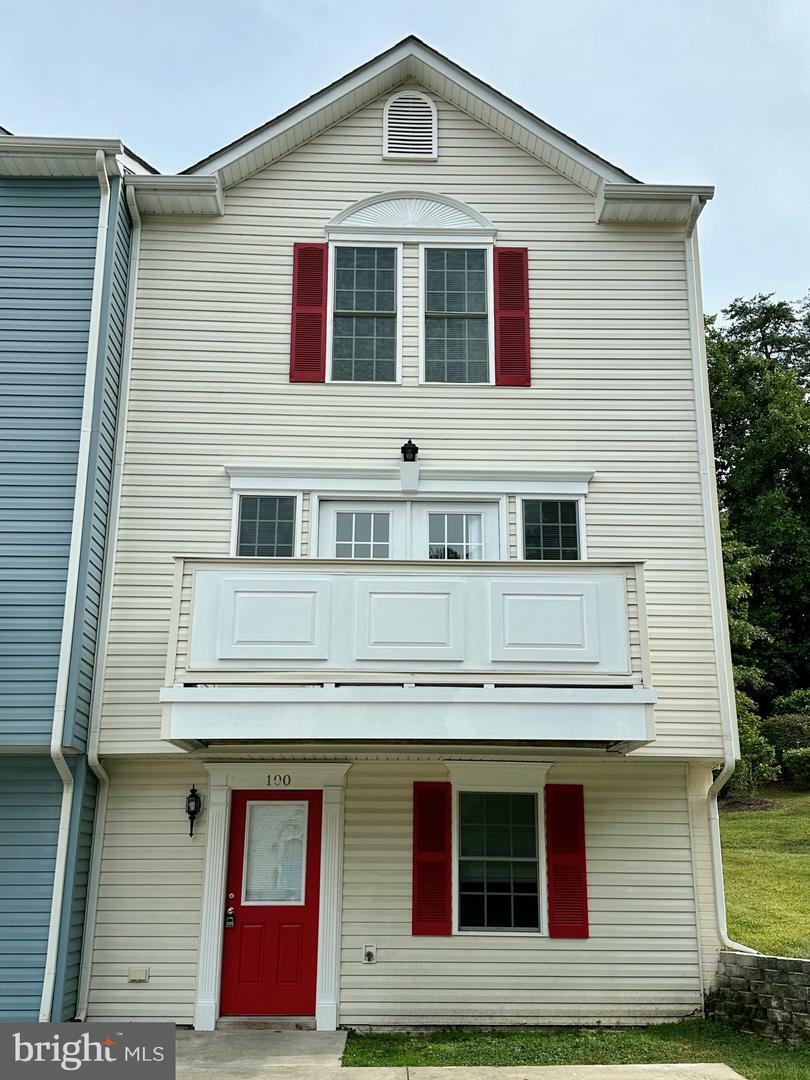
x,y
757,763
759,374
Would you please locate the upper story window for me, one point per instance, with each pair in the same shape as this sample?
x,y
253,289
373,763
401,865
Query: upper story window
x,y
364,321
267,525
410,128
550,529
456,331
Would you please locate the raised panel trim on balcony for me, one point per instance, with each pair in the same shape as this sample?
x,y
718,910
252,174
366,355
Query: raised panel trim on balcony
x,y
405,619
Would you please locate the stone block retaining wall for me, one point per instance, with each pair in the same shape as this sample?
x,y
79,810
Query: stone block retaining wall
x,y
767,995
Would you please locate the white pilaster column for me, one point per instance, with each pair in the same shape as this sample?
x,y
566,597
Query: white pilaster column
x,y
216,855
326,1007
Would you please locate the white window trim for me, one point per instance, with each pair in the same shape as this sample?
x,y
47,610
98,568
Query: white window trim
x,y
396,246
272,493
508,777
459,242
275,903
582,532
435,132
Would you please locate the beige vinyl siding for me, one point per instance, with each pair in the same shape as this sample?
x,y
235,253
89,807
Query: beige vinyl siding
x,y
612,390
640,963
149,895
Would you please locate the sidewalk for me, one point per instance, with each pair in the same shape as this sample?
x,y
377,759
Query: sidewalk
x,y
316,1055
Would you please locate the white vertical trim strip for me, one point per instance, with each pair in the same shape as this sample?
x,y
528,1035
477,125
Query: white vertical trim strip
x,y
328,991
104,618
72,593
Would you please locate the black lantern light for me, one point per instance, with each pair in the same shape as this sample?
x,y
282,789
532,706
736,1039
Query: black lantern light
x,y
409,451
193,807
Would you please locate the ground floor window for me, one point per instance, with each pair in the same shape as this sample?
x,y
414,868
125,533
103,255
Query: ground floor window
x,y
498,861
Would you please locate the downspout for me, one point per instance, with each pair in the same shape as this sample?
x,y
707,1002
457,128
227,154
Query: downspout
x,y
93,760
717,584
71,595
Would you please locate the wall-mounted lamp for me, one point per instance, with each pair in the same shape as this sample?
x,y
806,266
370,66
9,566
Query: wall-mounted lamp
x,y
193,808
409,467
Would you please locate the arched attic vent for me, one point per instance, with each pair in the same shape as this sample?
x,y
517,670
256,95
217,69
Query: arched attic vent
x,y
410,128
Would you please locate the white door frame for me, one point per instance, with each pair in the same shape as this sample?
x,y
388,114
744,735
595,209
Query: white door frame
x,y
329,777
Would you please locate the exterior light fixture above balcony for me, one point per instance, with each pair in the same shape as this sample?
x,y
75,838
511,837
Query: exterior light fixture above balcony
x,y
409,466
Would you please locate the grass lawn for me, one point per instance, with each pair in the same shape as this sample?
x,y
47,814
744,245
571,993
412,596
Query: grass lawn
x,y
766,859
686,1041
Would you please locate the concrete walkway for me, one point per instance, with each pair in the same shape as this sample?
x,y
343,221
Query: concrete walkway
x,y
316,1055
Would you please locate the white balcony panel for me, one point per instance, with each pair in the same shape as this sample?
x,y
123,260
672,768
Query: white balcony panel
x,y
260,617
339,620
403,619
568,620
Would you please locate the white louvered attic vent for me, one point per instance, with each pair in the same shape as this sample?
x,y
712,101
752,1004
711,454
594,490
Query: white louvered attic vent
x,y
409,126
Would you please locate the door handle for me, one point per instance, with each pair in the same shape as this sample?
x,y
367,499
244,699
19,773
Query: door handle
x,y
230,919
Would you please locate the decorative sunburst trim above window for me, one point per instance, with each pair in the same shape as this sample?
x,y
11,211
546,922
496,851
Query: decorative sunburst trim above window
x,y
410,213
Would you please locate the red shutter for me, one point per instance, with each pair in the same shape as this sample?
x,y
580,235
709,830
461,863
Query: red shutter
x,y
513,362
432,878
308,333
565,854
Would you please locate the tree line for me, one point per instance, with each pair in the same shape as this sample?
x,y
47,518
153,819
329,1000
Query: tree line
x,y
759,376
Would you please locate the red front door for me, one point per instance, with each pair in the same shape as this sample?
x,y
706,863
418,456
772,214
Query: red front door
x,y
270,953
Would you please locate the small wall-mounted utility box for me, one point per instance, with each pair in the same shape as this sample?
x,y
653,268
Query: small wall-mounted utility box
x,y
138,975
369,954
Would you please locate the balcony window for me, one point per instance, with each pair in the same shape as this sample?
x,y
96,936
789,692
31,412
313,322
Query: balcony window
x,y
498,861
267,525
360,535
550,529
455,536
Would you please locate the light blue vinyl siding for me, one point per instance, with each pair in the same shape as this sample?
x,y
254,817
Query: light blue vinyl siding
x,y
75,897
30,798
47,252
99,480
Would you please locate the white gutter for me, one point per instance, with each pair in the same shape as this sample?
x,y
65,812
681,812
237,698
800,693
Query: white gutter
x,y
717,585
93,761
71,595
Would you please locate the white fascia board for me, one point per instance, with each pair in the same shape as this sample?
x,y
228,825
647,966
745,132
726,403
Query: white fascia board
x,y
444,68
386,480
413,713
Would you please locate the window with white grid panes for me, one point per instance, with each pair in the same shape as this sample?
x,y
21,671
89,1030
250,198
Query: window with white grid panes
x,y
364,320
456,322
362,535
455,536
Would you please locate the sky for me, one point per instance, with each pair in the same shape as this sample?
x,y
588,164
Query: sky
x,y
673,91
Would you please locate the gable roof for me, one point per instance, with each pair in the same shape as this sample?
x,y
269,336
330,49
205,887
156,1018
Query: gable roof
x,y
409,59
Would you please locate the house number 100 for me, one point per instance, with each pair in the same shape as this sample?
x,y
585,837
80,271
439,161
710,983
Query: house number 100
x,y
279,780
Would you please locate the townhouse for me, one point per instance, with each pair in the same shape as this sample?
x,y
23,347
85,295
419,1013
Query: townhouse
x,y
64,258
413,669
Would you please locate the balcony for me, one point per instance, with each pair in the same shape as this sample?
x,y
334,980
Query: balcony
x,y
441,651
